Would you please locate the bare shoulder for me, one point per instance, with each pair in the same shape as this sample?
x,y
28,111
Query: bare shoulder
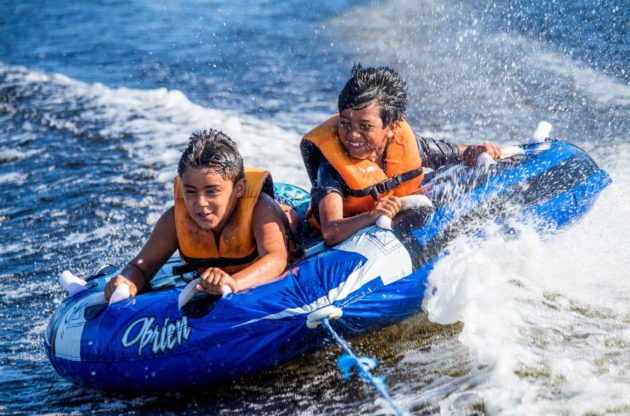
x,y
266,209
161,244
167,218
165,226
168,215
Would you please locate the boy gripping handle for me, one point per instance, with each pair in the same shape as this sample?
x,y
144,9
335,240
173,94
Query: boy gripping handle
x,y
224,222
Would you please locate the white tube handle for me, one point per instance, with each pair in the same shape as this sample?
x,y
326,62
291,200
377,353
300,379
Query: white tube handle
x,y
121,293
541,133
485,159
191,289
509,151
187,294
74,284
71,283
407,202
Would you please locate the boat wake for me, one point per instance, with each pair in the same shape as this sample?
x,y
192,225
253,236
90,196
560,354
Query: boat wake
x,y
543,315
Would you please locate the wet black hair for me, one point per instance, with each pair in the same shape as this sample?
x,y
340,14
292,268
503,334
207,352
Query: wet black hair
x,y
214,150
381,84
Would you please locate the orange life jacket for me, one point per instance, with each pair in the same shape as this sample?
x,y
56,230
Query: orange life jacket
x,y
366,180
237,245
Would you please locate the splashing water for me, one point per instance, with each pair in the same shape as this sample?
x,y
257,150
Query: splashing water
x,y
95,111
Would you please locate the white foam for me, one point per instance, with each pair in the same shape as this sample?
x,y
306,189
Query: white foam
x,y
17,178
530,306
97,234
167,118
6,248
161,120
603,89
10,293
12,155
544,314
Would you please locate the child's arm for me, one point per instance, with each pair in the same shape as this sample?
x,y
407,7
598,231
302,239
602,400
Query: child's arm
x,y
272,248
470,152
336,228
156,251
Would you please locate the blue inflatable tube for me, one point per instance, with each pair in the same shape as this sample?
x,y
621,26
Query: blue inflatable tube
x,y
376,278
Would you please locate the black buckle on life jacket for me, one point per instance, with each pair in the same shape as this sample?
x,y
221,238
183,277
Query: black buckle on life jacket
x,y
374,193
220,262
386,185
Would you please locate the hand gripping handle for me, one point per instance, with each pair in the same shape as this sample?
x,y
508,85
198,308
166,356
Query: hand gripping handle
x,y
408,202
191,289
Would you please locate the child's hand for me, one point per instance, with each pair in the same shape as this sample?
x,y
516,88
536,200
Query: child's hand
x,y
473,151
387,205
213,279
111,286
493,149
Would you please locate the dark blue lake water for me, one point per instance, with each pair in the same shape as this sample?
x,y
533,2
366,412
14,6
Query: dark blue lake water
x,y
97,100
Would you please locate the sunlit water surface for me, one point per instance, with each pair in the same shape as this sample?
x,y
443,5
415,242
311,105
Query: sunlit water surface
x,y
96,102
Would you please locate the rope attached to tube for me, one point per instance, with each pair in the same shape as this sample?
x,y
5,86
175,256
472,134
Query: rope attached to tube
x,y
363,365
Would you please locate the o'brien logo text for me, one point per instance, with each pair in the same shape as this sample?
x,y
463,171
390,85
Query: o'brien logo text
x,y
143,332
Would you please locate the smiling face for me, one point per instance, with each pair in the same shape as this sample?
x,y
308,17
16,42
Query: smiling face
x,y
362,133
209,198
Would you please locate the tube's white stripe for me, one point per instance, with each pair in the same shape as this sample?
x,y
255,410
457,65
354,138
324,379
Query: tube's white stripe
x,y
69,332
386,258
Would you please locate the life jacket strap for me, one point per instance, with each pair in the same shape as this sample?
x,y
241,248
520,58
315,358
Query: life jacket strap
x,y
220,262
386,185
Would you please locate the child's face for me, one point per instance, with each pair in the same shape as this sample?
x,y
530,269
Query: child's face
x,y
362,133
209,198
